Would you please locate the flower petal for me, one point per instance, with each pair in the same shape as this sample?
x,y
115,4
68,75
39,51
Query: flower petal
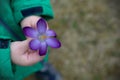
x,y
43,49
35,44
30,32
50,33
42,25
53,42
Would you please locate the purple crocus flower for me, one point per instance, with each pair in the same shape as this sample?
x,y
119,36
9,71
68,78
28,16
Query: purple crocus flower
x,y
42,37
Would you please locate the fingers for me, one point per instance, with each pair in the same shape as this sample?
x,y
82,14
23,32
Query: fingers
x,y
21,54
32,58
32,55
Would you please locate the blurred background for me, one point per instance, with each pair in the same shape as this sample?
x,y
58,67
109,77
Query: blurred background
x,y
90,34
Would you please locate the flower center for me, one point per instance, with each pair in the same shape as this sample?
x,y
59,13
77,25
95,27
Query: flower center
x,y
43,37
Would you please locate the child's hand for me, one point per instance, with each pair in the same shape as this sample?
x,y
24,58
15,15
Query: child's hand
x,y
22,55
20,52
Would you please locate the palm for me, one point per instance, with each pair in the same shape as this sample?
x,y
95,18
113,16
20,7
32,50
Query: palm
x,y
22,55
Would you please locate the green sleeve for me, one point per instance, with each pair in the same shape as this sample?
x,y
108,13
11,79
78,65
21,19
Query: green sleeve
x,y
6,72
23,8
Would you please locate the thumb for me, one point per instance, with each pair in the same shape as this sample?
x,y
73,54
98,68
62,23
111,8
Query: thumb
x,y
30,21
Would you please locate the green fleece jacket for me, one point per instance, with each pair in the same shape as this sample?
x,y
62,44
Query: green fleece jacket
x,y
12,12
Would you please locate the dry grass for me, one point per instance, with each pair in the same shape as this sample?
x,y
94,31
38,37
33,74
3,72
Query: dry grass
x,y
89,31
90,35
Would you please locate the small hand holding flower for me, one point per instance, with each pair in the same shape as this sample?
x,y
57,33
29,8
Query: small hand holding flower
x,y
41,37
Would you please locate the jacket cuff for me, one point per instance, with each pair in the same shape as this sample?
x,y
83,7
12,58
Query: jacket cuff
x,y
42,10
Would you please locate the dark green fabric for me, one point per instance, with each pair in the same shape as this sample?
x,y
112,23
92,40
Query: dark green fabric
x,y
19,5
5,65
10,13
